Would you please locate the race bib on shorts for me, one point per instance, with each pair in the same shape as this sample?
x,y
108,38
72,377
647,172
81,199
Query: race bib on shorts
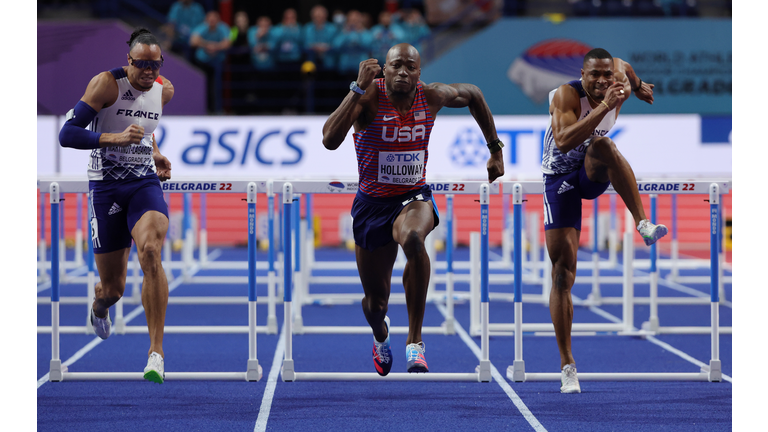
x,y
133,154
401,168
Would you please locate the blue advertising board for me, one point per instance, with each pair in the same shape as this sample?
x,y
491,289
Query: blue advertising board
x,y
517,61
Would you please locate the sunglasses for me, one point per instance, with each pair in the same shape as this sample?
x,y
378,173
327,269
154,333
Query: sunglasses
x,y
143,64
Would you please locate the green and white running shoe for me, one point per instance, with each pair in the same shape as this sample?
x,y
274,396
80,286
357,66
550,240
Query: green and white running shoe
x,y
155,370
650,232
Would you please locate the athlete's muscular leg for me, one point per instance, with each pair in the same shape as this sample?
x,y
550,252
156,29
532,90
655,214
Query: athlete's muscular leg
x,y
604,163
410,229
562,244
375,268
113,268
149,234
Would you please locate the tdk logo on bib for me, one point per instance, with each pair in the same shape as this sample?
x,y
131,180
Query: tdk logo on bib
x,y
405,168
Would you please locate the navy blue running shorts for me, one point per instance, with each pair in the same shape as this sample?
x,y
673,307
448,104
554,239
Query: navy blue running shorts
x,y
373,217
562,198
116,206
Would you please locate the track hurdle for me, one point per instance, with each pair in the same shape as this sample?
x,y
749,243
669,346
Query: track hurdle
x,y
253,372
302,277
288,372
628,279
516,371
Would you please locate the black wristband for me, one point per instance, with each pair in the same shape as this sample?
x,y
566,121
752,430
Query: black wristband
x,y
638,86
495,145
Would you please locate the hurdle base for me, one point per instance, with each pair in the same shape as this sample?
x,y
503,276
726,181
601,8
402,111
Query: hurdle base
x,y
652,325
298,325
56,373
594,298
272,325
715,372
119,327
516,372
483,371
449,326
253,372
287,372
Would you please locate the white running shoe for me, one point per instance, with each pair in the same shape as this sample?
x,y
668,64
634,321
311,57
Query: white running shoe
x,y
155,371
650,232
101,326
569,382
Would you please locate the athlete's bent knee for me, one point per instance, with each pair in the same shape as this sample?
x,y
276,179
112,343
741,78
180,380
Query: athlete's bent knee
x,y
150,257
376,305
413,244
601,147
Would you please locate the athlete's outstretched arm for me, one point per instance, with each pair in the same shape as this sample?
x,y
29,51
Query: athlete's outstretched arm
x,y
626,74
352,107
469,95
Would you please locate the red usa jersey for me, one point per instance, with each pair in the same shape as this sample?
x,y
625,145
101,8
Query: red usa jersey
x,y
392,151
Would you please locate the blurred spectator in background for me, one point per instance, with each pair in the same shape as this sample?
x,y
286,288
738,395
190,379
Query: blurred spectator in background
x,y
211,41
183,17
367,20
318,37
287,37
385,35
353,44
262,44
416,29
339,18
240,51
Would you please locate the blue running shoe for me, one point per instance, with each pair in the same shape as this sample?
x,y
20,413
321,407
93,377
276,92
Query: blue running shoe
x,y
382,353
101,326
650,232
415,354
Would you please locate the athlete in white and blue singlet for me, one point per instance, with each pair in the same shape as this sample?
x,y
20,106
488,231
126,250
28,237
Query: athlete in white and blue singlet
x,y
393,118
115,120
579,162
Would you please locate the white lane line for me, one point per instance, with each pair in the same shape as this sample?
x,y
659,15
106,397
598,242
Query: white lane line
x,y
134,313
527,414
269,392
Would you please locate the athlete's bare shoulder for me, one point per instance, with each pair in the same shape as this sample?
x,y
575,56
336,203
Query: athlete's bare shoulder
x,y
168,89
101,91
566,99
438,93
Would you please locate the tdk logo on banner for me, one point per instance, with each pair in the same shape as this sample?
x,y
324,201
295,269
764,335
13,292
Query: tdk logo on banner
x,y
469,148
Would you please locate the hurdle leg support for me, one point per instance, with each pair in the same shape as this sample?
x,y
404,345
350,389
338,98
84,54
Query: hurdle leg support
x,y
56,374
484,371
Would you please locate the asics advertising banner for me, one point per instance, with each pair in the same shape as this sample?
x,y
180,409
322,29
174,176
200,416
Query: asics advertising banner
x,y
282,147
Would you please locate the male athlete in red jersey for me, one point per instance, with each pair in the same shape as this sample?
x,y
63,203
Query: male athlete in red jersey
x,y
393,118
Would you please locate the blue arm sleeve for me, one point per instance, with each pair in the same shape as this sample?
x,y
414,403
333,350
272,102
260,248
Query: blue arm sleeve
x,y
74,133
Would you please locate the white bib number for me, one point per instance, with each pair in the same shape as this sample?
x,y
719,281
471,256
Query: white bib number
x,y
401,168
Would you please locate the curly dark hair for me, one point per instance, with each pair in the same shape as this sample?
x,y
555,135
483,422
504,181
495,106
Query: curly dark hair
x,y
142,36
